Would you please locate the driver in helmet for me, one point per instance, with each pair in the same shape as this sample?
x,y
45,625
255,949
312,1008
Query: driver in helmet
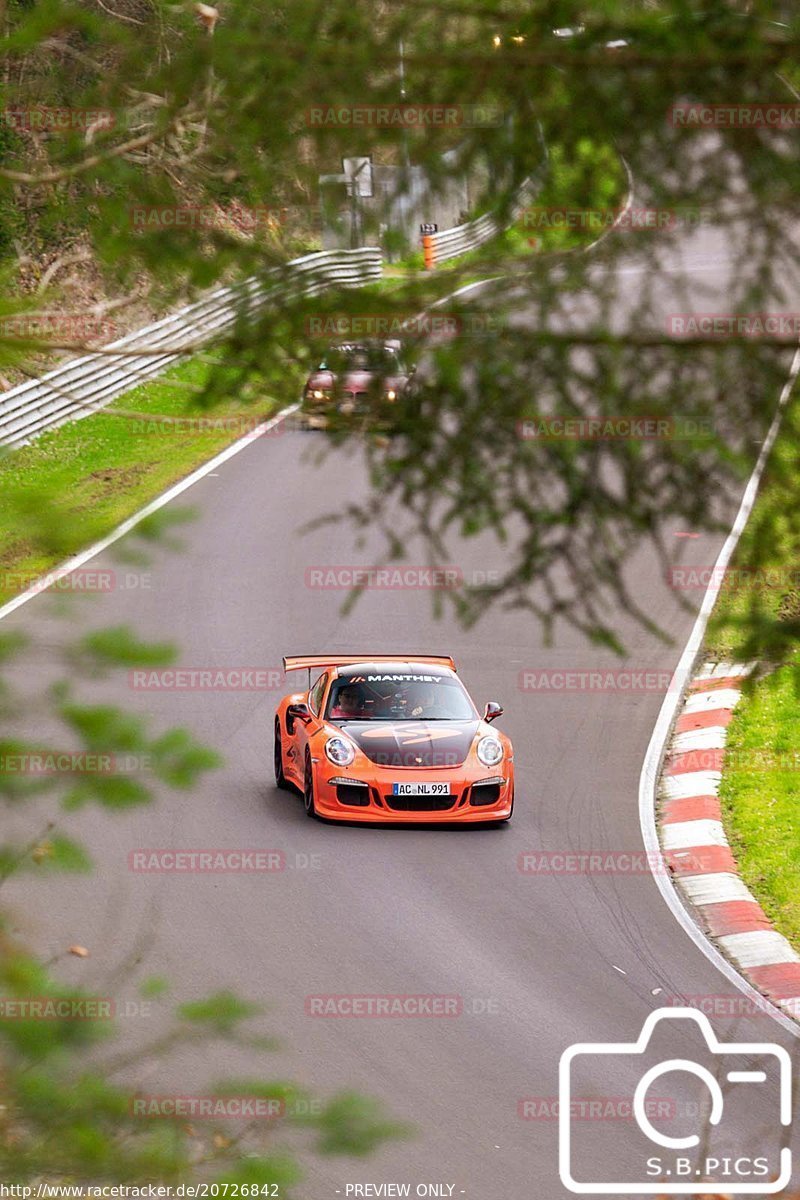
x,y
349,704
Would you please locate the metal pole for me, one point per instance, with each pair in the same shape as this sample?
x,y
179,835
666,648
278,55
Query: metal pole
x,y
406,181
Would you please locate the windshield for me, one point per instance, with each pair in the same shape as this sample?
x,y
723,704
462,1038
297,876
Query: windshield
x,y
381,360
399,697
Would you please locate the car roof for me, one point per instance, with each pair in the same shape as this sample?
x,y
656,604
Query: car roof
x,y
400,667
367,344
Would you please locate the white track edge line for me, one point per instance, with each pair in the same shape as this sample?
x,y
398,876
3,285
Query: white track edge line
x,y
672,702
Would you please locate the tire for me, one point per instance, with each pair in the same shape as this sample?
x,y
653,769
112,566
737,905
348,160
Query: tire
x,y
308,788
277,759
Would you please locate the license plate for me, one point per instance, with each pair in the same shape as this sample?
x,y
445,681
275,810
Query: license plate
x,y
420,789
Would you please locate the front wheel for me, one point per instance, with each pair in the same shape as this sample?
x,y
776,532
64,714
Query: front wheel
x,y
280,779
308,788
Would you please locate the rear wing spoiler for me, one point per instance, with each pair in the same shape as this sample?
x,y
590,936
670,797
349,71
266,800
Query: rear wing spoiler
x,y
312,662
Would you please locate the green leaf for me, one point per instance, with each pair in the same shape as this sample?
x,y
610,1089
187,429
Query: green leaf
x,y
179,761
153,987
119,647
275,1169
223,1011
352,1124
60,853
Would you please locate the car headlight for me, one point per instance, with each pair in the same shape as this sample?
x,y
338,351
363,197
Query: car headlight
x,y
391,394
339,751
489,750
318,394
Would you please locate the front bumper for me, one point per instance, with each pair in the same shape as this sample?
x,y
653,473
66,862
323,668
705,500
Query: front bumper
x,y
465,786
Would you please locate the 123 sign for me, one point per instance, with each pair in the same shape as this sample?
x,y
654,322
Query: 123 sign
x,y
427,228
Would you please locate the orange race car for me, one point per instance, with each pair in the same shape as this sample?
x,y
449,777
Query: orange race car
x,y
387,738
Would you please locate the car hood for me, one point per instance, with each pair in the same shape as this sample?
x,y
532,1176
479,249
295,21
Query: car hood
x,y
413,743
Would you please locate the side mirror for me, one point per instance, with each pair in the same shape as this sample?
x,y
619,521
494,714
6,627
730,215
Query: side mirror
x,y
297,712
492,711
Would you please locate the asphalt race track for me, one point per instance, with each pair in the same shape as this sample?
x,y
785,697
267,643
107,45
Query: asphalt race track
x,y
538,961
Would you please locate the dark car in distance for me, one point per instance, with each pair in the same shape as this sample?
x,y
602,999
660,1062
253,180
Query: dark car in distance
x,y
354,377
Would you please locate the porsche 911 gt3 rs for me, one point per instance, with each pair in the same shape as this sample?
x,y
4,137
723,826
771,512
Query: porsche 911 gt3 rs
x,y
384,738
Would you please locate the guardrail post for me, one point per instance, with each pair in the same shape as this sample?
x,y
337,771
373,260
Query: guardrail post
x,y
429,251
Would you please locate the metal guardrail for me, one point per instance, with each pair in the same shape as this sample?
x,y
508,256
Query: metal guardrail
x,y
82,386
462,238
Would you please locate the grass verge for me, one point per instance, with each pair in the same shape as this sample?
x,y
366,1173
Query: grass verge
x,y
105,467
757,615
757,618
760,800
